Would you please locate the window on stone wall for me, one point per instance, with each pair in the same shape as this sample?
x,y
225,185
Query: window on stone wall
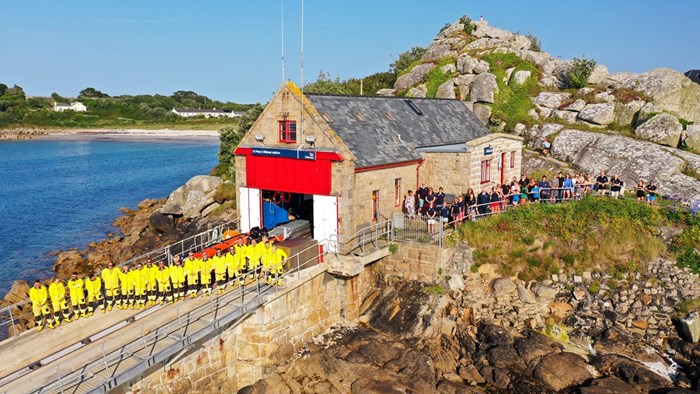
x,y
288,131
397,192
375,205
485,171
512,159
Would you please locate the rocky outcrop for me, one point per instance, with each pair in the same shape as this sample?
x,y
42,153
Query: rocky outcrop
x,y
599,114
484,89
670,90
413,77
630,159
663,129
689,327
192,198
22,133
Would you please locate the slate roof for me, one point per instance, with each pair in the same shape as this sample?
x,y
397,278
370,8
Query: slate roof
x,y
694,75
385,130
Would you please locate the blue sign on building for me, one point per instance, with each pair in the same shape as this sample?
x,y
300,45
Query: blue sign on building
x,y
286,153
488,150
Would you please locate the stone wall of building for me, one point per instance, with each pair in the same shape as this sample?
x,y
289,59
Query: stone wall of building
x,y
425,263
500,144
451,171
278,329
382,180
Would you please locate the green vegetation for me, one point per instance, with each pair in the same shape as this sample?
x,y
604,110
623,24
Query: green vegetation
x,y
435,290
393,248
230,137
580,71
103,111
512,100
536,43
468,26
437,77
593,234
367,86
687,243
689,306
594,288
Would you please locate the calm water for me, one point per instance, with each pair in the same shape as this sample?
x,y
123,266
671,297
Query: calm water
x,y
63,194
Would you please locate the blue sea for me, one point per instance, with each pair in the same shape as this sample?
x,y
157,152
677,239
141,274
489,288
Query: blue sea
x,y
65,194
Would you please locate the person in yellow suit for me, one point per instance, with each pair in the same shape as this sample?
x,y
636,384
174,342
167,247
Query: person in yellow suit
x,y
205,275
39,296
140,279
93,285
261,253
253,258
76,288
57,292
164,288
126,279
152,285
232,265
192,268
279,257
110,278
241,260
177,277
220,269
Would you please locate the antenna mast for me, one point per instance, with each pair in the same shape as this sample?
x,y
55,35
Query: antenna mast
x,y
302,71
282,41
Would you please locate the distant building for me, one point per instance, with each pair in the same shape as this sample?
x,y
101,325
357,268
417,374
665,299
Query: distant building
x,y
694,75
74,106
207,113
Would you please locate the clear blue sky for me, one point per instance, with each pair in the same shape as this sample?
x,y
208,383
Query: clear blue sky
x,y
230,50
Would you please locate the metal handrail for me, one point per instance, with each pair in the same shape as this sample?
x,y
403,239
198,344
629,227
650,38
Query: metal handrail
x,y
371,234
192,243
175,329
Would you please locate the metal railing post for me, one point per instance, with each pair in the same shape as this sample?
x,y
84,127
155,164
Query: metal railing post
x,y
12,320
143,336
104,358
60,382
298,269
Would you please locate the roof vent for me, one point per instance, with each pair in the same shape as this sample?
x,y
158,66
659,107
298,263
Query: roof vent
x,y
359,116
327,117
413,106
389,116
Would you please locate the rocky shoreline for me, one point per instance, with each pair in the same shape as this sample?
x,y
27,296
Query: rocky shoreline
x,y
152,225
29,133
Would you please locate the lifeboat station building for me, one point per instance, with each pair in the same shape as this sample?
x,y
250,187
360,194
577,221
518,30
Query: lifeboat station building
x,y
344,162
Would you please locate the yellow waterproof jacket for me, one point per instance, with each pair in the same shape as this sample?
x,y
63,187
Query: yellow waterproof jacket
x,y
177,274
140,279
261,253
126,279
207,266
231,261
278,257
220,264
163,278
77,289
93,287
253,257
57,291
192,267
39,296
151,275
110,277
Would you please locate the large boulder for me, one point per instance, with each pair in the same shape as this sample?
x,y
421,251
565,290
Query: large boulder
x,y
629,158
598,75
626,113
436,51
446,90
190,199
552,100
418,91
663,129
559,371
609,385
520,77
670,90
413,77
161,222
693,136
503,286
483,30
484,88
599,114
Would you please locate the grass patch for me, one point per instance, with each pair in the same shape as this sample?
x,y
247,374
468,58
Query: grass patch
x,y
589,235
594,288
513,100
435,290
437,77
221,209
225,192
689,306
393,248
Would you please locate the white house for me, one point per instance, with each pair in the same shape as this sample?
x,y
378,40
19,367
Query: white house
x,y
74,106
207,113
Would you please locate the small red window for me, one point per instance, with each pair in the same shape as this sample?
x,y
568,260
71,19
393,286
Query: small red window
x,y
288,131
486,171
397,192
512,159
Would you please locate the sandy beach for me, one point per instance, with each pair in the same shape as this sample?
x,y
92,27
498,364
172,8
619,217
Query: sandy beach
x,y
133,135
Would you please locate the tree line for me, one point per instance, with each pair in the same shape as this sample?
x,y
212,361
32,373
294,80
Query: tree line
x,y
17,109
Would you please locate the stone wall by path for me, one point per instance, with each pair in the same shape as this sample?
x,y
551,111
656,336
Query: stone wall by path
x,y
250,351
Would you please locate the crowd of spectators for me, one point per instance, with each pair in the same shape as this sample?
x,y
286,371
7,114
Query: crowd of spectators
x,y
493,198
139,286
